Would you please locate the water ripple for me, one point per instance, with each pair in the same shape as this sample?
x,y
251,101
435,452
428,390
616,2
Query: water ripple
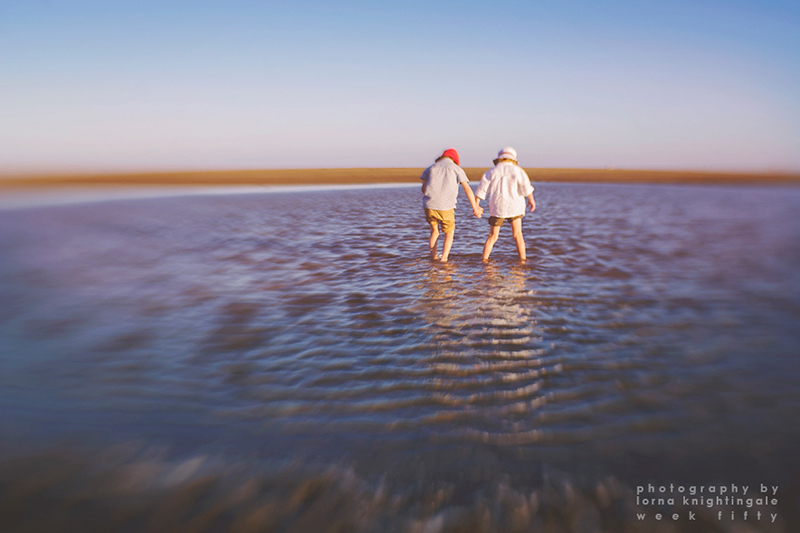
x,y
234,323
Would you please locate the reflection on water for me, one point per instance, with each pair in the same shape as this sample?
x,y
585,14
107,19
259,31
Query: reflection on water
x,y
293,361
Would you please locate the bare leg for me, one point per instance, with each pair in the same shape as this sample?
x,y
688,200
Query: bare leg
x,y
448,243
494,232
519,239
434,238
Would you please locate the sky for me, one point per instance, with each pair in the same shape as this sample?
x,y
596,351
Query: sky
x,y
195,85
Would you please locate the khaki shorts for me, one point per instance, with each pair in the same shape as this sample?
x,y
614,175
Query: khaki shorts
x,y
498,221
447,219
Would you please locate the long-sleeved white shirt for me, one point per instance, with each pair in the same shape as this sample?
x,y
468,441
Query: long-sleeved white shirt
x,y
506,186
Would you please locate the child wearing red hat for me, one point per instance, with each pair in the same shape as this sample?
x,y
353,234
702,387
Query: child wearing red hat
x,y
440,183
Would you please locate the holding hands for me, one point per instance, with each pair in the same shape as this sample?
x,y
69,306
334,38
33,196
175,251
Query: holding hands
x,y
506,186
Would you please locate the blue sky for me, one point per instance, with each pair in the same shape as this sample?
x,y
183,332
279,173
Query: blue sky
x,y
141,85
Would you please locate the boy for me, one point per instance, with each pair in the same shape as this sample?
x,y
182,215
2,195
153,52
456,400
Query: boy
x,y
440,191
506,185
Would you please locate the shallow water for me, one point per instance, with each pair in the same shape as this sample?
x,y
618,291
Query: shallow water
x,y
293,360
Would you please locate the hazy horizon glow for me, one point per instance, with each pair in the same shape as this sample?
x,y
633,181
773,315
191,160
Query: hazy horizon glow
x,y
85,85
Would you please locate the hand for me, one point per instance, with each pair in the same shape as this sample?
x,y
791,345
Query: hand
x,y
532,205
477,211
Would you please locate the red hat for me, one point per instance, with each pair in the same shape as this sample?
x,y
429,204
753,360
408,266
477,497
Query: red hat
x,y
452,154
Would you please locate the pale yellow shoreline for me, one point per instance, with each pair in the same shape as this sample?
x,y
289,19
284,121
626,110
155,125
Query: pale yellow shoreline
x,y
349,176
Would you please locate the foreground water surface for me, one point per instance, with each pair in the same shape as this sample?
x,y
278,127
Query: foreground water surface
x,y
293,361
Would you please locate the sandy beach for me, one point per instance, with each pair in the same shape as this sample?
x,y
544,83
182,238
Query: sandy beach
x,y
332,176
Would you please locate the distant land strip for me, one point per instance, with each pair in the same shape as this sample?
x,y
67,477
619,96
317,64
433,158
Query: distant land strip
x,y
333,176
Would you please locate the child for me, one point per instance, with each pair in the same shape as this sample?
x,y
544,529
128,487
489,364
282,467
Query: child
x,y
440,191
506,186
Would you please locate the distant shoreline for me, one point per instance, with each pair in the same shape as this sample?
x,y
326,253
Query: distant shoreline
x,y
348,176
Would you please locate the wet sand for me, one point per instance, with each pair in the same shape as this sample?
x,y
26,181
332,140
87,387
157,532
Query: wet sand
x,y
334,176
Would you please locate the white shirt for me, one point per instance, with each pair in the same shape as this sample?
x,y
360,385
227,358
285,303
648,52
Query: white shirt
x,y
506,186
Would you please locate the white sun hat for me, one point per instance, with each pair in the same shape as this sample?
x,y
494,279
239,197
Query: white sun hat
x,y
507,153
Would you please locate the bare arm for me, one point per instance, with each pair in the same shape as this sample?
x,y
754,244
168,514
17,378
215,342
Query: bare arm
x,y
424,178
531,202
477,210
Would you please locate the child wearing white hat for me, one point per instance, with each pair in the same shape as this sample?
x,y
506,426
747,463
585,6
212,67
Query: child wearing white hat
x,y
506,186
